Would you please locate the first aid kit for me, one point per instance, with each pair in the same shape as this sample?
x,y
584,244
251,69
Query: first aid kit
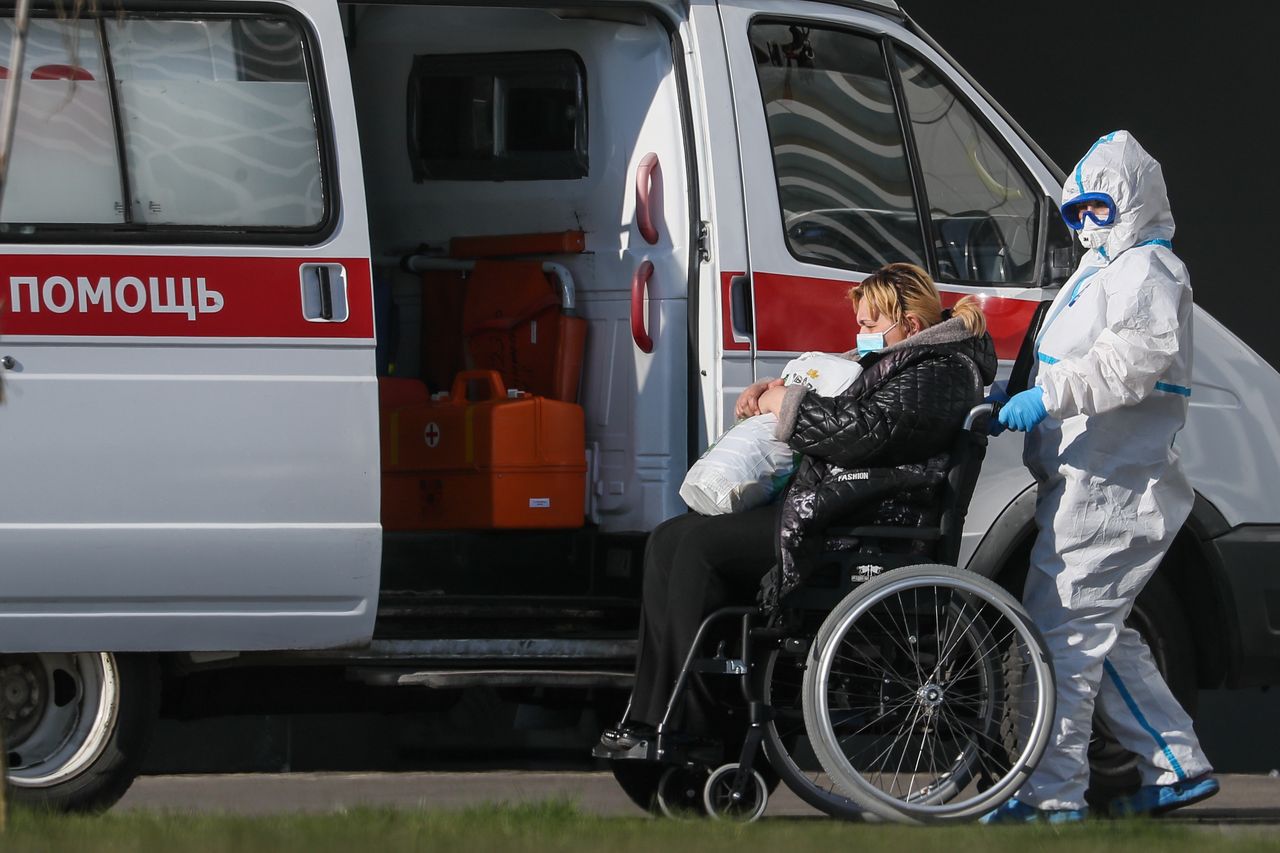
x,y
482,457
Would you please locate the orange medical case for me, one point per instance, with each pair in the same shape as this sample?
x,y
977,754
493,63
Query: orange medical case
x,y
500,461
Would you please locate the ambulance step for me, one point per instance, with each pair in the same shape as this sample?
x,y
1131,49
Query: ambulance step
x,y
439,679
423,615
396,605
472,652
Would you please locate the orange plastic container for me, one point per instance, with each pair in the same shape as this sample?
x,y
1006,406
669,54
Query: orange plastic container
x,y
492,462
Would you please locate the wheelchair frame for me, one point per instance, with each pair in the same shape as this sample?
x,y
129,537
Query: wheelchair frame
x,y
739,790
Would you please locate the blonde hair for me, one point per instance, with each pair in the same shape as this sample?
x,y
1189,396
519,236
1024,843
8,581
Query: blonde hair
x,y
900,289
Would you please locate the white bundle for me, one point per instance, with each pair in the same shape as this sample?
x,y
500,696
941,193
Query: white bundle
x,y
747,467
822,373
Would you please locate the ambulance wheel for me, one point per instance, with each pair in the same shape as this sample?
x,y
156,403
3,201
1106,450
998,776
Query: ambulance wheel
x,y
639,780
1158,616
76,726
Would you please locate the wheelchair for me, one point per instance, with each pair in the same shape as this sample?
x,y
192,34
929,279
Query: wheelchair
x,y
891,686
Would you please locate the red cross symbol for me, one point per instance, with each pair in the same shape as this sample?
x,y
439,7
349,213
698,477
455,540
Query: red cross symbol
x,y
431,434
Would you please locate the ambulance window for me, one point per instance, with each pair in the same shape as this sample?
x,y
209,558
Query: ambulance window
x,y
63,166
218,123
843,179
498,116
983,211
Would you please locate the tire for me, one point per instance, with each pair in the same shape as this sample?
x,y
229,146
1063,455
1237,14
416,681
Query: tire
x,y
1158,616
77,726
718,800
907,681
779,682
680,792
639,781
642,782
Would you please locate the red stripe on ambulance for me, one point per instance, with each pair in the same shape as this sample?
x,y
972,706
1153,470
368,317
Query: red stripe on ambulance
x,y
174,296
800,313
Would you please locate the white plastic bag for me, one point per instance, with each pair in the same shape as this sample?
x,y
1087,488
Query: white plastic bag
x,y
822,373
745,468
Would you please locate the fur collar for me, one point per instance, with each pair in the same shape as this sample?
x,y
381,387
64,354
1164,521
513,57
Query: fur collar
x,y
947,332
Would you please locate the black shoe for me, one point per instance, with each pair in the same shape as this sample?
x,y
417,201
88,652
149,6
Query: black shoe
x,y
626,737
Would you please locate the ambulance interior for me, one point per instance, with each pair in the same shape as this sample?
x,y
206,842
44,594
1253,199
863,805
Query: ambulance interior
x,y
525,171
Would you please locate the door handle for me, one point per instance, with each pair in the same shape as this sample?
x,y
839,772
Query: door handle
x,y
324,293
639,289
646,173
741,316
8,362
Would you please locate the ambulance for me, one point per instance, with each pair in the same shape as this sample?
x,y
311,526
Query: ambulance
x,y
379,335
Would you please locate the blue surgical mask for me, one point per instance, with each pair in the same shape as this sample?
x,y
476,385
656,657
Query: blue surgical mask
x,y
869,342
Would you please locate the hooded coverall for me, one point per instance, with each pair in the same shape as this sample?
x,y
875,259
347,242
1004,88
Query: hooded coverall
x,y
1114,365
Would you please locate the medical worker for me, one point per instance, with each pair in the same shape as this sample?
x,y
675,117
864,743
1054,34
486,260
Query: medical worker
x,y
1107,396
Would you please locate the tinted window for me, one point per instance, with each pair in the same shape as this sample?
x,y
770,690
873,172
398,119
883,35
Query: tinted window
x,y
843,179
982,209
63,166
498,117
219,128
212,120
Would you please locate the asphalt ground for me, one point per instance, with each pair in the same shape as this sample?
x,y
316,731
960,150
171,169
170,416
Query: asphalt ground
x,y
1244,800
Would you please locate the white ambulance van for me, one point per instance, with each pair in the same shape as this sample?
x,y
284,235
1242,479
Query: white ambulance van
x,y
265,263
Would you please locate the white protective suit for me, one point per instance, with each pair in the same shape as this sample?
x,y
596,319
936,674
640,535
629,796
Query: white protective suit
x,y
1115,367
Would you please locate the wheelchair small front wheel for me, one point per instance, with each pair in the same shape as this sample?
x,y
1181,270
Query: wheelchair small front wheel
x,y
679,793
724,799
928,695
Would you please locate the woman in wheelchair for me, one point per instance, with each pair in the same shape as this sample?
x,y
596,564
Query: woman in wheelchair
x,y
878,453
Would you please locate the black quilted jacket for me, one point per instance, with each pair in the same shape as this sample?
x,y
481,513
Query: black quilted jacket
x,y
877,453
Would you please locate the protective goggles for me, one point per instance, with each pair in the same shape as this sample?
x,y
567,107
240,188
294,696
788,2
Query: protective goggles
x,y
1071,211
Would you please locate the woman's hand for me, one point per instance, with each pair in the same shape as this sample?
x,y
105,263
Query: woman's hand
x,y
771,401
748,403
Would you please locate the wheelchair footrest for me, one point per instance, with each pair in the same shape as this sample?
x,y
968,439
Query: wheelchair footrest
x,y
645,750
668,749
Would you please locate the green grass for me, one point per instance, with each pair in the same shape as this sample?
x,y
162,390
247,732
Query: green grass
x,y
560,826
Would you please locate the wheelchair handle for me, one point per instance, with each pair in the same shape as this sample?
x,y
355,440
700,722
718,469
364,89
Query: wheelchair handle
x,y
983,413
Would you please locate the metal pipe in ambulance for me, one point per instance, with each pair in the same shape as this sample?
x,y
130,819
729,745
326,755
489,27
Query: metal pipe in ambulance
x,y
423,263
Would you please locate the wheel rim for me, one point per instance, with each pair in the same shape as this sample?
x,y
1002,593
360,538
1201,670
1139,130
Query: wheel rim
x,y
722,803
59,711
787,741
922,729
908,682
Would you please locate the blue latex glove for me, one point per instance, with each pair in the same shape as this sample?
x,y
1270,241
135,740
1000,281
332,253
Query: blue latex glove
x,y
998,395
1024,410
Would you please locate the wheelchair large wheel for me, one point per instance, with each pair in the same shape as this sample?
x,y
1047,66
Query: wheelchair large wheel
x,y
928,695
779,678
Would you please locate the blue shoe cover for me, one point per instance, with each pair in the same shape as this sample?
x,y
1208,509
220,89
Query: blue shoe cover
x,y
1016,811
1158,799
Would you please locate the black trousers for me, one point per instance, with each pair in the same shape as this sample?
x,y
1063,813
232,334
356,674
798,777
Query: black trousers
x,y
693,564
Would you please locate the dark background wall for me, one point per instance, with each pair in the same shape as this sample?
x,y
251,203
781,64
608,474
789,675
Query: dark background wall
x,y
1195,90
